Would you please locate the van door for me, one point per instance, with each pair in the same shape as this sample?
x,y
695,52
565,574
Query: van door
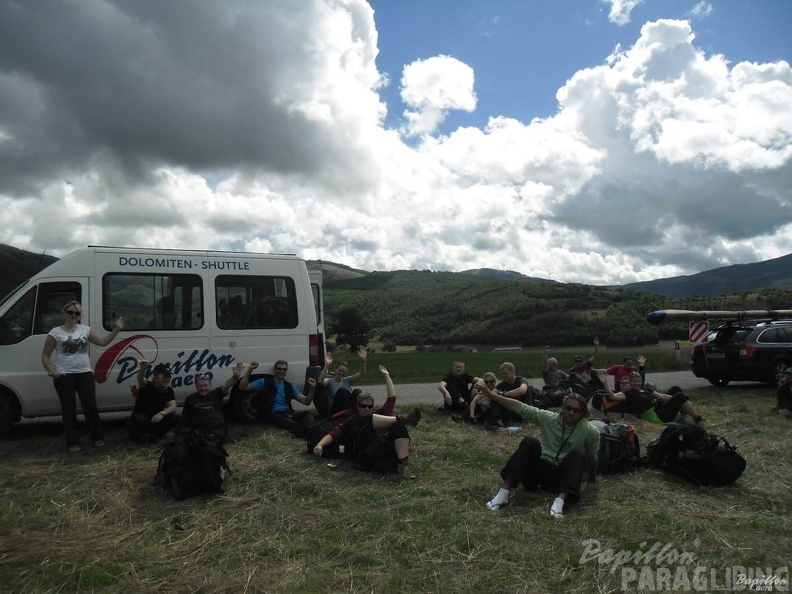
x,y
25,325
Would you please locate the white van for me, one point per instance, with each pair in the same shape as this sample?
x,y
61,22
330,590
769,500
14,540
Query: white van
x,y
198,311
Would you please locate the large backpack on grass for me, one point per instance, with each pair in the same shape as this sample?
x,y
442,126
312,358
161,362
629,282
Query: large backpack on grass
x,y
619,448
193,464
316,431
695,454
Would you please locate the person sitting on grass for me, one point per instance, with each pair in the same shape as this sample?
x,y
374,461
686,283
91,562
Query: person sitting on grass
x,y
336,389
457,389
203,410
551,374
274,399
784,394
568,446
478,411
582,364
375,442
651,405
155,405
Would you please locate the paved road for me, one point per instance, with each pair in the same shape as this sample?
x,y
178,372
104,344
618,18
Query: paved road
x,y
427,394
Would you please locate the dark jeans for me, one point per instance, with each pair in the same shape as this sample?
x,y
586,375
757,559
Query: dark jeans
x,y
455,396
139,424
527,468
669,409
294,422
68,387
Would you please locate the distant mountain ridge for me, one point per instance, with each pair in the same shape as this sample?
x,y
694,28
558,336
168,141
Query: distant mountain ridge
x,y
737,278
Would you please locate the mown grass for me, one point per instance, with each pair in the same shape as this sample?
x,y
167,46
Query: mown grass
x,y
93,522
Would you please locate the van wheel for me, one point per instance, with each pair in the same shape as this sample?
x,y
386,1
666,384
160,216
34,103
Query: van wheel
x,y
243,404
6,420
716,381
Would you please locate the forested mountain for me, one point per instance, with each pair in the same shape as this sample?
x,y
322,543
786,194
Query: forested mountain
x,y
422,307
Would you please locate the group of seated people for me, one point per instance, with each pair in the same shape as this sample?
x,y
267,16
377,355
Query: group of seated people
x,y
374,440
349,427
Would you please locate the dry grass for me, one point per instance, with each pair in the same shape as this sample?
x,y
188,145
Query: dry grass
x,y
93,522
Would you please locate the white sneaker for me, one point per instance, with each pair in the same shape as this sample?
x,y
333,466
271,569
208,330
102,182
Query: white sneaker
x,y
496,506
556,515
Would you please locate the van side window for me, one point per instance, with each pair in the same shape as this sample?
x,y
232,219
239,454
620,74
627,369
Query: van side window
x,y
255,302
52,297
18,321
153,301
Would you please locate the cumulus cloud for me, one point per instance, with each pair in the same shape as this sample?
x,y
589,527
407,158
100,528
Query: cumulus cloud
x,y
261,126
432,87
620,10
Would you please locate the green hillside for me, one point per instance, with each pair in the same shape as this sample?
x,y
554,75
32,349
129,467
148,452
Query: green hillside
x,y
422,307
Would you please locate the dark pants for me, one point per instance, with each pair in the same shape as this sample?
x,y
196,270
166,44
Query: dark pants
x,y
455,404
139,424
294,422
669,409
68,387
527,468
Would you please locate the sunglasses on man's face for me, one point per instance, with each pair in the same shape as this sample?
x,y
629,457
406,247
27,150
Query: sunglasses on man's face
x,y
283,369
365,406
573,409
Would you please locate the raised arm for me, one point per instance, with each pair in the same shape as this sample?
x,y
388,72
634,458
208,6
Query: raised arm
x,y
596,350
363,354
141,374
104,340
509,403
306,399
236,373
244,383
388,382
323,374
609,394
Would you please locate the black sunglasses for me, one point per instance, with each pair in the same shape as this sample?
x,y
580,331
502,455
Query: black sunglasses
x,y
71,312
574,409
281,369
489,381
365,406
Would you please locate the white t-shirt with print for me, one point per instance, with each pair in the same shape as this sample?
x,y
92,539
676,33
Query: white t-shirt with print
x,y
71,350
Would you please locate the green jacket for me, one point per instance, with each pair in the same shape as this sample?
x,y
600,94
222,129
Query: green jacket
x,y
558,440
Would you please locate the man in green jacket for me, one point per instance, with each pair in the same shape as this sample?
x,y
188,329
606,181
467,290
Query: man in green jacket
x,y
568,446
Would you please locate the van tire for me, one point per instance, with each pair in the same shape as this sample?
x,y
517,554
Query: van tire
x,y
244,404
716,381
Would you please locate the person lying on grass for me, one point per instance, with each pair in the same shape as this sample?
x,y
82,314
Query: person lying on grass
x,y
569,445
651,405
376,442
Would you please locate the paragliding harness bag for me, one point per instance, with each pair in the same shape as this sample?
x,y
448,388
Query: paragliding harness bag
x,y
619,448
692,452
316,431
193,464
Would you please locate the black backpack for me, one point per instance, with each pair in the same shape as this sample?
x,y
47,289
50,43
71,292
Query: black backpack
x,y
619,448
694,453
316,431
193,464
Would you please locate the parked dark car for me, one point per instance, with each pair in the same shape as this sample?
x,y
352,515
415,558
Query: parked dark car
x,y
744,351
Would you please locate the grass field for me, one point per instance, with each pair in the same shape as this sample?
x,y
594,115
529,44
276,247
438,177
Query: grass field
x,y
410,366
93,522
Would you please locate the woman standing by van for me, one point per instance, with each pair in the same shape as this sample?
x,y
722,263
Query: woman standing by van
x,y
65,358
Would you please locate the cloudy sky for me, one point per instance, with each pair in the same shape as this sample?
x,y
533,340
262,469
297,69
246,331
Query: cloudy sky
x,y
595,141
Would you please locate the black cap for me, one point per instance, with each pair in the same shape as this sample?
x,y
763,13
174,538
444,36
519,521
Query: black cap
x,y
163,368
